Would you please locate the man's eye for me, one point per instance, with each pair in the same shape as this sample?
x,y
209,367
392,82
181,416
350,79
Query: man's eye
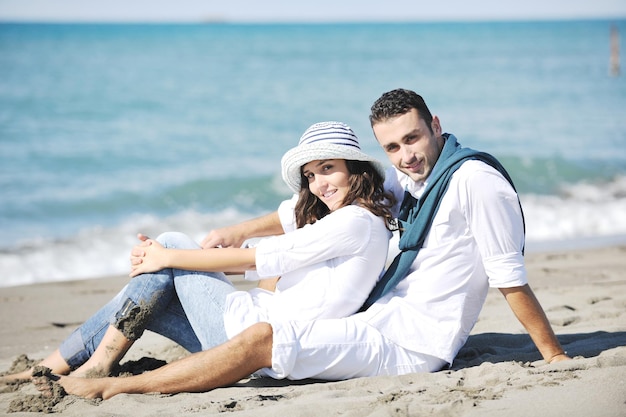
x,y
412,139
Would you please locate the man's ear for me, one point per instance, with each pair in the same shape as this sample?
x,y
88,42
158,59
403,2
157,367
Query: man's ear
x,y
436,126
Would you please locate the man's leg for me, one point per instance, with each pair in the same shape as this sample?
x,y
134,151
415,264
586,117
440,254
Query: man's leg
x,y
223,365
338,349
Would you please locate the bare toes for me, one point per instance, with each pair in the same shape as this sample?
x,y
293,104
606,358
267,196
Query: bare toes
x,y
46,382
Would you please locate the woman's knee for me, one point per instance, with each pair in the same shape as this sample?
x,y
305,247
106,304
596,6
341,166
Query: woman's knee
x,y
177,240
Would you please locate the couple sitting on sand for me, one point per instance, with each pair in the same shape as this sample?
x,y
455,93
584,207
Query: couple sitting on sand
x,y
334,312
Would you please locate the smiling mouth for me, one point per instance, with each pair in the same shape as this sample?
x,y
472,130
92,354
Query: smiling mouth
x,y
329,194
414,166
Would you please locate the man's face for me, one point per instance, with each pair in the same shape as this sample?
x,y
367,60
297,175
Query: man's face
x,y
409,143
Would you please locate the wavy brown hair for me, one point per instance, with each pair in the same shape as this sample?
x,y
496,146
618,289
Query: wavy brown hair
x,y
366,189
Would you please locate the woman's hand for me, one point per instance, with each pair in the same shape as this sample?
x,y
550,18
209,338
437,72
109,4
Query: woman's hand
x,y
148,256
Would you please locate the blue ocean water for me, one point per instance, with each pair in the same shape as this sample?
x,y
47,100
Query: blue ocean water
x,y
110,130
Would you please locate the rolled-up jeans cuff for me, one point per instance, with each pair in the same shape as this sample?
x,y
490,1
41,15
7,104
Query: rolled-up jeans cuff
x,y
74,351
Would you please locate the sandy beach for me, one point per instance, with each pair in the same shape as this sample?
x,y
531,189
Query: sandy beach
x,y
498,372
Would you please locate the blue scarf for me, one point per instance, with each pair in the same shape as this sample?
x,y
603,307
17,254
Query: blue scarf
x,y
416,216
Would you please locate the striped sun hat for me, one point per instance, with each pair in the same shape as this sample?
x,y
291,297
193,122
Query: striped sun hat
x,y
324,140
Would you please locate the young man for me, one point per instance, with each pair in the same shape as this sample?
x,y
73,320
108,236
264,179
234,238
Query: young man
x,y
467,235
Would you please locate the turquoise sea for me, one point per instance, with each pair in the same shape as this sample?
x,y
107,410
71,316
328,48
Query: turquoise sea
x,y
109,130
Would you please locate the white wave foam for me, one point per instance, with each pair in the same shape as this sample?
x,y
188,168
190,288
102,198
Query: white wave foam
x,y
99,252
582,210
581,214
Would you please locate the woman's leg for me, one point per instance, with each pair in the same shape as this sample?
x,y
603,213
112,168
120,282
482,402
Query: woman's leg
x,y
53,361
120,317
107,355
121,314
203,301
196,325
148,300
121,310
104,338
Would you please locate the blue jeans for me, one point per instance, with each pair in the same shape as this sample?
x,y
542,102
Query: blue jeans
x,y
184,306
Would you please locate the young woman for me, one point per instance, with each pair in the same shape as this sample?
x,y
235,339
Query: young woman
x,y
328,260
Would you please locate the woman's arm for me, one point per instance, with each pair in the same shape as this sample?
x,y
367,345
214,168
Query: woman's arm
x,y
150,256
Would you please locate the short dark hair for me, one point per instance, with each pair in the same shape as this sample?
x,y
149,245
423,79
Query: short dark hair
x,y
398,102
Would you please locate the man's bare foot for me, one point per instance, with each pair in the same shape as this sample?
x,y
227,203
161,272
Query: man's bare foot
x,y
46,382
53,394
57,386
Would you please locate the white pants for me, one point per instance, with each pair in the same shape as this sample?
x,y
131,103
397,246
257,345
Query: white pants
x,y
337,349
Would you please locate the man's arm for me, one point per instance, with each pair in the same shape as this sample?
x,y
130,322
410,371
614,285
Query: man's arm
x,y
529,312
234,236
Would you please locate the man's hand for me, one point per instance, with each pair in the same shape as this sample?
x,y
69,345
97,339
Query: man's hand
x,y
225,237
234,236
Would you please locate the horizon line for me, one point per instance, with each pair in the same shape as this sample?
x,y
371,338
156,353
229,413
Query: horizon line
x,y
222,20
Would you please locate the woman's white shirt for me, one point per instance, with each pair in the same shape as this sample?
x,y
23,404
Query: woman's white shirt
x,y
327,269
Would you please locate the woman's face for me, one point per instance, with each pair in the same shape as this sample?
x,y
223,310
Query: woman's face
x,y
328,181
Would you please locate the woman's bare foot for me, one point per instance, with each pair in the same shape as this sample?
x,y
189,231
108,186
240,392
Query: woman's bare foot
x,y
96,371
55,362
20,376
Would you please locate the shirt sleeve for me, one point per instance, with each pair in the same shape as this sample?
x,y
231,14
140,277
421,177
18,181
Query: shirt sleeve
x,y
394,186
495,218
287,217
286,214
343,232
